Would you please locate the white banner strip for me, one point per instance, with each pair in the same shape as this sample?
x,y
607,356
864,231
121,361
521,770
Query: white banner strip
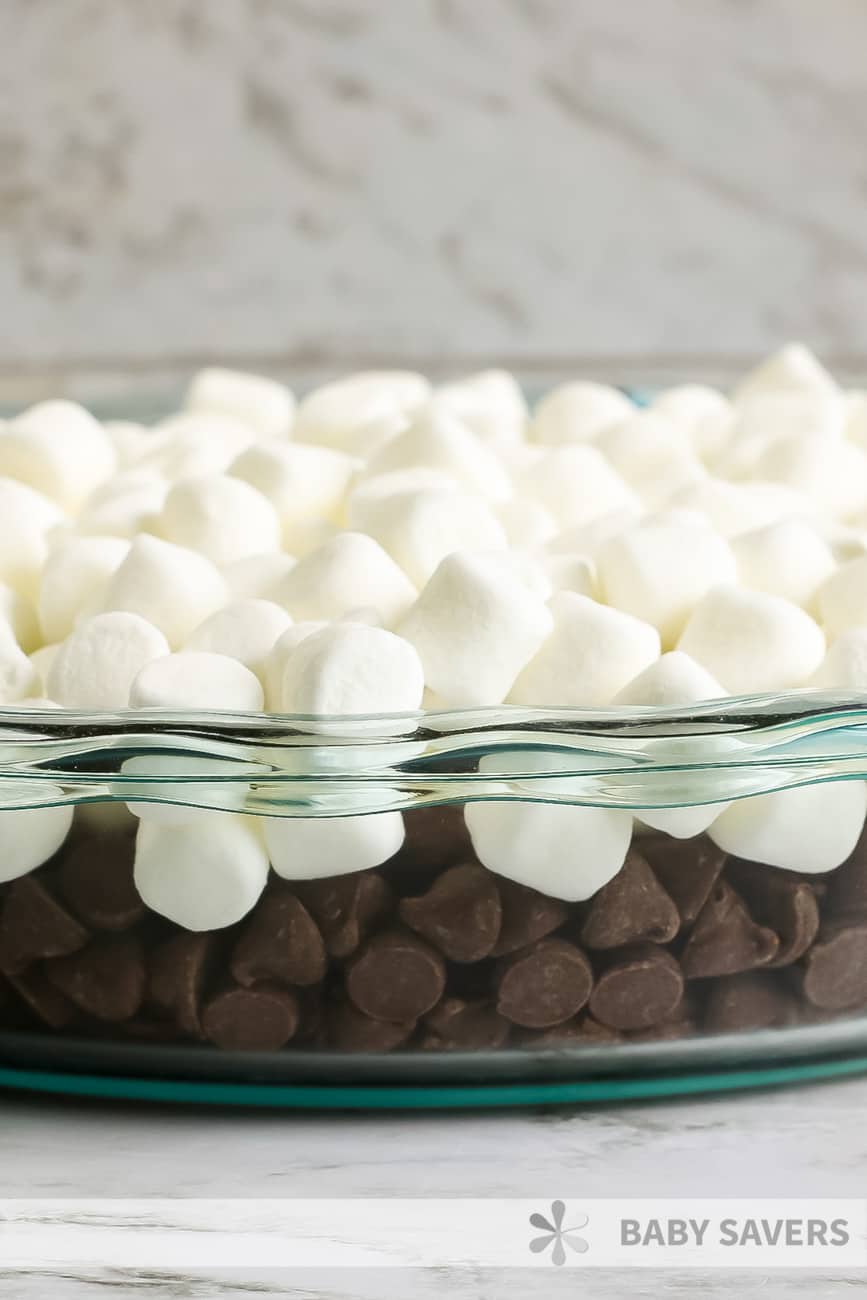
x,y
542,1232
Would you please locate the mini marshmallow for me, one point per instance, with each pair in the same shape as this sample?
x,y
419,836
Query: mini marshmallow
x,y
832,472
195,679
766,418
843,598
96,665
41,661
352,668
130,440
787,558
30,836
577,485
223,518
564,851
734,508
652,454
440,441
127,504
527,524
171,586
18,677
586,539
810,829
475,627
349,570
572,573
75,578
490,403
855,418
704,415
59,449
792,368
263,404
332,414
176,789
660,569
246,630
195,442
278,657
590,655
28,518
752,642
422,526
308,848
578,412
301,482
674,681
255,576
845,664
203,875
21,618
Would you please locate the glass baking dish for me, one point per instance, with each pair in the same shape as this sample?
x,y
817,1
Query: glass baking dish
x,y
487,895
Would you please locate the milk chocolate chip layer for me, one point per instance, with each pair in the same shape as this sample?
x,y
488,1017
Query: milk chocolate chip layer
x,y
96,880
544,984
262,1018
640,987
460,914
630,908
396,976
34,925
280,941
106,979
725,939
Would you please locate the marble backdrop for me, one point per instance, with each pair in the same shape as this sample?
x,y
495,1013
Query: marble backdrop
x,y
298,181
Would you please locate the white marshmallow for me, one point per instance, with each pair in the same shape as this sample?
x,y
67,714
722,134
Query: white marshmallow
x,y
41,661
586,539
843,598
792,368
527,524
590,655
95,666
577,485
195,442
18,677
564,851
787,558
422,526
855,418
308,848
734,508
765,419
752,642
349,570
572,573
127,504
176,789
490,403
130,440
171,586
246,630
704,415
255,576
475,627
28,518
660,569
652,454
674,681
578,412
832,472
30,836
333,414
352,668
278,657
845,664
75,578
263,404
59,449
810,829
195,679
221,517
20,615
203,875
301,482
438,440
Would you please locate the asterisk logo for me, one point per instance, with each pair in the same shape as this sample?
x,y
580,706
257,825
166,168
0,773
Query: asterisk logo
x,y
556,1235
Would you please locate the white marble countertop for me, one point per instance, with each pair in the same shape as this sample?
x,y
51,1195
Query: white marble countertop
x,y
809,1141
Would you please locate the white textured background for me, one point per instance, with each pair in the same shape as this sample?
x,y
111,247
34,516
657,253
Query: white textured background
x,y
308,180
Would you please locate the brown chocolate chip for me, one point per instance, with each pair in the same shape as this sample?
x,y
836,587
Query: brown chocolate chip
x,y
583,1031
47,1003
847,886
34,925
544,985
753,1000
106,979
527,916
257,1019
784,903
436,838
725,939
350,1030
96,880
835,968
280,941
687,869
178,971
641,987
460,913
631,908
345,908
458,1025
396,976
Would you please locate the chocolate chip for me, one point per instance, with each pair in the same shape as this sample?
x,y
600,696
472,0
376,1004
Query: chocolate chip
x,y
460,913
47,1003
641,987
583,1031
544,985
436,838
345,908
257,1019
178,970
458,1025
280,941
687,869
396,976
631,908
106,979
527,916
34,925
96,880
835,968
784,903
725,939
753,1000
350,1030
847,886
